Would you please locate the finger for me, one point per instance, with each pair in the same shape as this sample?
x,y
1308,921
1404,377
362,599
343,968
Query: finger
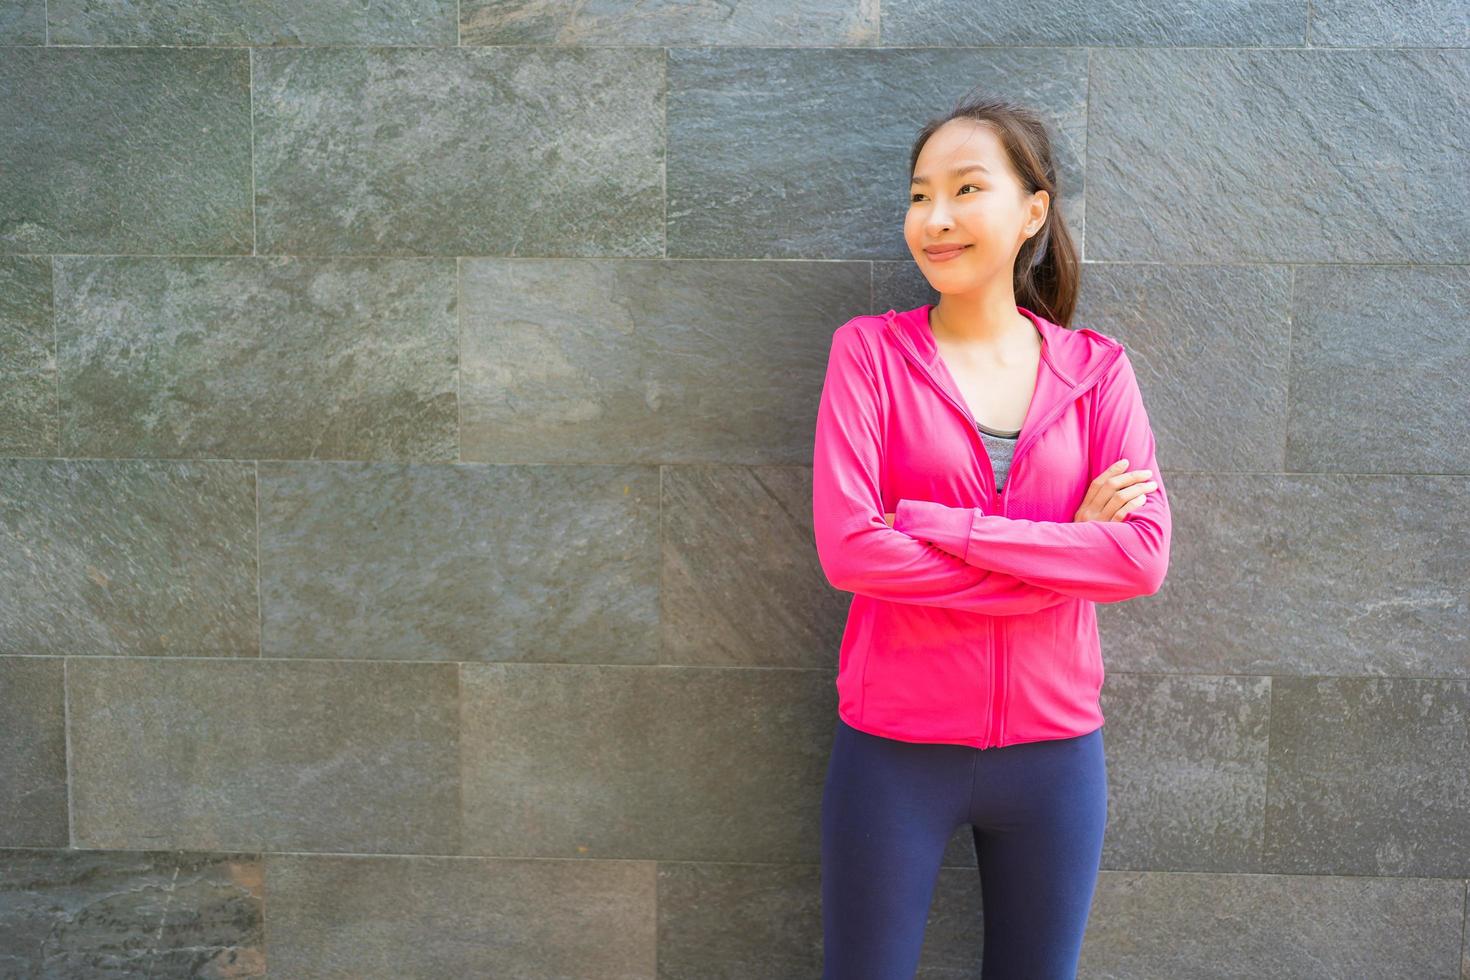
x,y
1117,467
1132,505
1124,479
1128,493
1128,499
1101,488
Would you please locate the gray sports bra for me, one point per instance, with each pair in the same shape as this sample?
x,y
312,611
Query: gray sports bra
x,y
1001,445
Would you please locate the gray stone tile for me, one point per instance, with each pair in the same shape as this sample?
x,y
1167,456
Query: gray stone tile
x,y
1465,942
69,914
254,22
1278,156
1032,22
901,285
125,149
23,22
128,557
954,935
27,358
802,23
1211,347
648,361
735,921
741,580
1362,23
1209,926
33,798
410,562
960,852
665,763
1186,771
1380,370
439,917
1369,776
765,161
258,357
1327,574
265,755
455,151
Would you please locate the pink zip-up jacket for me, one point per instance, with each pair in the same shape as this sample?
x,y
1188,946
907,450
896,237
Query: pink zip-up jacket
x,y
974,616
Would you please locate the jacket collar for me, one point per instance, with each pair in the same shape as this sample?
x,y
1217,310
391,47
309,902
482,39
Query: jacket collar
x,y
1071,354
1072,361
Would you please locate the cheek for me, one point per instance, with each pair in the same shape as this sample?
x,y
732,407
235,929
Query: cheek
x,y
913,225
986,220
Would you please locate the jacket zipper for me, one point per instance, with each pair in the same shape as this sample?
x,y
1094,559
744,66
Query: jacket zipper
x,y
990,487
1000,681
1005,502
995,720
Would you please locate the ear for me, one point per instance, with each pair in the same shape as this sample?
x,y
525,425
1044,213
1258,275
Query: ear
x,y
1040,206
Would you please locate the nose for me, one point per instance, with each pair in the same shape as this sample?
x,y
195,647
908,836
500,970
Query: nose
x,y
937,221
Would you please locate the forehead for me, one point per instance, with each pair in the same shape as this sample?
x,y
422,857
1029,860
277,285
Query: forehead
x,y
959,142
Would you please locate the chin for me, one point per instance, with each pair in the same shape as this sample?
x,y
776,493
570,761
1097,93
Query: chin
x,y
954,284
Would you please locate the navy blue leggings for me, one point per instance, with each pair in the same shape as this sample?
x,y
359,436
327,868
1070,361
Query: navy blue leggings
x,y
889,809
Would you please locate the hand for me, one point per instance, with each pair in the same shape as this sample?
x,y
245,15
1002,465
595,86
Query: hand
x,y
1115,494
888,519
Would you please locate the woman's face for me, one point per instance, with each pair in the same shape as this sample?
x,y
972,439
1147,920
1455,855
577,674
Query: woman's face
x,y
985,209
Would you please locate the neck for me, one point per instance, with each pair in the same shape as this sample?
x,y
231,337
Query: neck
x,y
984,324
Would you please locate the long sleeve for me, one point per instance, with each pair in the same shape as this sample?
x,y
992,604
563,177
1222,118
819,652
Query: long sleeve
x,y
857,549
1104,561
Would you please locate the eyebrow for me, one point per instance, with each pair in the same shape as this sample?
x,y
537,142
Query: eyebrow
x,y
954,173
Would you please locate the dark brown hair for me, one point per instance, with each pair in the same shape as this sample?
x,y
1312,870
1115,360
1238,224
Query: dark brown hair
x,y
1047,269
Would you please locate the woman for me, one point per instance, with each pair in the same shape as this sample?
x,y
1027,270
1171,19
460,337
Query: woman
x,y
971,487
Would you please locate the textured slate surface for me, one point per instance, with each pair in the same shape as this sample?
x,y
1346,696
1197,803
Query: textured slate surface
x,y
268,23
258,358
1321,156
125,150
1328,574
459,151
741,581
414,562
34,810
752,171
433,917
278,755
1151,924
141,557
1380,370
803,23
101,913
1366,776
644,762
648,361
1243,23
27,358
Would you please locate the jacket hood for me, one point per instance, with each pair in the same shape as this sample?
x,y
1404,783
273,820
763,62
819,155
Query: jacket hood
x,y
1072,361
1072,354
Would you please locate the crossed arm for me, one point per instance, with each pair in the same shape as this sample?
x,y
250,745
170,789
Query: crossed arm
x,y
1104,561
857,549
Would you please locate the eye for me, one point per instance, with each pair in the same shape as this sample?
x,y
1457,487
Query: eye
x,y
913,197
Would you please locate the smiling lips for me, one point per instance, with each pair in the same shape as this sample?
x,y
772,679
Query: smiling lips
x,y
943,253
